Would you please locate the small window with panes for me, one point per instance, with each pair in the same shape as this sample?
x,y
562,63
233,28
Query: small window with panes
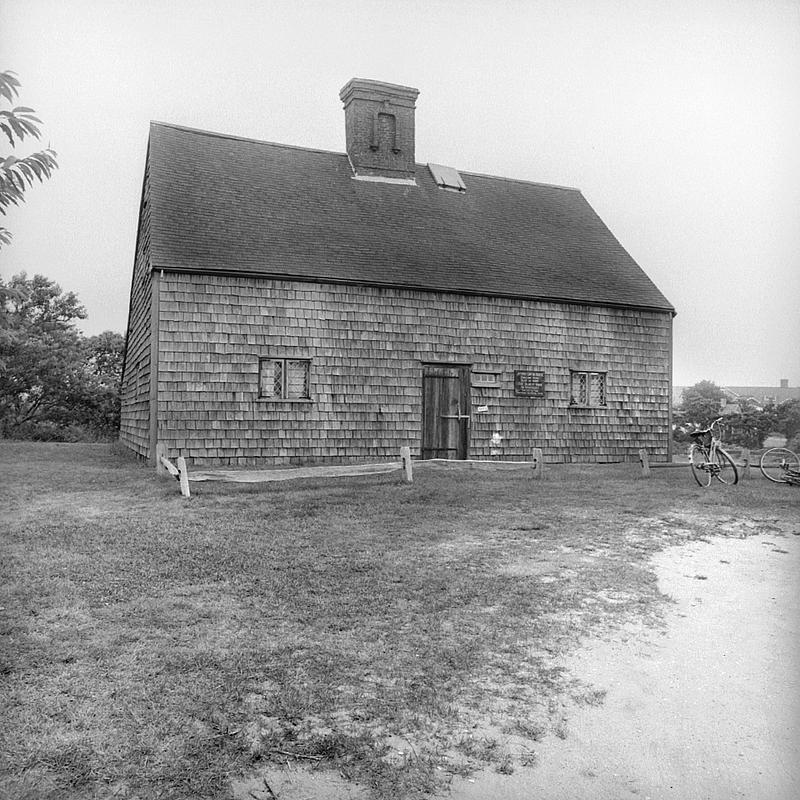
x,y
587,389
285,378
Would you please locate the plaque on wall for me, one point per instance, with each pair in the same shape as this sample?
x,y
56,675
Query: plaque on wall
x,y
528,384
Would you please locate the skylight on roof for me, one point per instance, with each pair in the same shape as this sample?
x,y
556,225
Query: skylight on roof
x,y
447,178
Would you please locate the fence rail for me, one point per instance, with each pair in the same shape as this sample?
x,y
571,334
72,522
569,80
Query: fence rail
x,y
743,464
180,472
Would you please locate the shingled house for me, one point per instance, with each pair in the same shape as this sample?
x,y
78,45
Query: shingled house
x,y
293,306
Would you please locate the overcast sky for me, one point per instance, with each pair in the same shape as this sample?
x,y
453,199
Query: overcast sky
x,y
679,121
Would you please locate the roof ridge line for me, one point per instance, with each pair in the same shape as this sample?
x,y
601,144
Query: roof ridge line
x,y
218,135
520,180
236,137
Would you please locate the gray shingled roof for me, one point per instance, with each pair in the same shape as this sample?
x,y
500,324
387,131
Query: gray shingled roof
x,y
225,204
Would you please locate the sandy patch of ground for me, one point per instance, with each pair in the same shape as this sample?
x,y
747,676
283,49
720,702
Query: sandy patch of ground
x,y
706,707
298,783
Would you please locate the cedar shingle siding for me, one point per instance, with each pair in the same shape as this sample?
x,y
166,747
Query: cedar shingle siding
x,y
135,390
367,346
249,251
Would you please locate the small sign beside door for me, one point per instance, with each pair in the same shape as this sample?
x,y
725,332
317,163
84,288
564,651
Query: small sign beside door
x,y
528,384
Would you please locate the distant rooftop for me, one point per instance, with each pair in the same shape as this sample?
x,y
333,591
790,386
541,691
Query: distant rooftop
x,y
761,394
775,393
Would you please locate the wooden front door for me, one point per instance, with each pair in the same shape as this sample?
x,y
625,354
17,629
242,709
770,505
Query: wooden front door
x,y
445,411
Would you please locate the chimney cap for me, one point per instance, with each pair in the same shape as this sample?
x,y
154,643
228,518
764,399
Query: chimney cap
x,y
366,89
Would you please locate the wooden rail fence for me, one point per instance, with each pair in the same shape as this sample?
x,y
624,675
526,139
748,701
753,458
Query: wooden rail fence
x,y
406,464
743,465
177,470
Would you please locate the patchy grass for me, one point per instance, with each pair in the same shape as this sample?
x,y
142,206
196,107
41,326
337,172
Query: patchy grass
x,y
153,647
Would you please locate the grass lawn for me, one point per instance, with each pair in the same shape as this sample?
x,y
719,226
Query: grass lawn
x,y
157,647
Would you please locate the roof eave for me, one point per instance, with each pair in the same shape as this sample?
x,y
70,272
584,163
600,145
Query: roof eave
x,y
414,287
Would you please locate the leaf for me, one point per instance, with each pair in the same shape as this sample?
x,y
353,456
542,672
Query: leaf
x,y
10,77
8,91
37,168
25,167
16,180
16,127
45,161
7,131
29,127
10,194
8,185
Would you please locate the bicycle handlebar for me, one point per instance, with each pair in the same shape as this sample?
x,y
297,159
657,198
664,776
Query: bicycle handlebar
x,y
709,429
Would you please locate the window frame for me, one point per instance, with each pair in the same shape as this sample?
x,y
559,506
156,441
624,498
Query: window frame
x,y
588,373
447,178
494,383
284,360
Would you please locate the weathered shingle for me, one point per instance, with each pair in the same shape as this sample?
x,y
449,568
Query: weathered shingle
x,y
224,204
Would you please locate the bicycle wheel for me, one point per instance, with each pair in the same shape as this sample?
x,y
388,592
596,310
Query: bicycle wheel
x,y
700,466
776,462
726,472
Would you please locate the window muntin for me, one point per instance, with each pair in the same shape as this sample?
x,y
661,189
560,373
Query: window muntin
x,y
285,378
484,379
587,389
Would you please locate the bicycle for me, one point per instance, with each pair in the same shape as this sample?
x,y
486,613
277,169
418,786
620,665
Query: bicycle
x,y
708,460
780,465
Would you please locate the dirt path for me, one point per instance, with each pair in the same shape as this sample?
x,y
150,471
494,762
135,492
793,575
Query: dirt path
x,y
705,709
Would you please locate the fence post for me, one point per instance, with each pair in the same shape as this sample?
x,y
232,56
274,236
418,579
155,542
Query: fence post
x,y
538,462
184,477
405,457
645,463
745,463
161,450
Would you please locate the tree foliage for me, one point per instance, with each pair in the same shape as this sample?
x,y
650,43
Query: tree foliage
x,y
700,405
788,418
750,425
745,423
99,407
18,174
54,383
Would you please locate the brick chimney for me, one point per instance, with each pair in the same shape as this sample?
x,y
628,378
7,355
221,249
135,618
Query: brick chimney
x,y
379,129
